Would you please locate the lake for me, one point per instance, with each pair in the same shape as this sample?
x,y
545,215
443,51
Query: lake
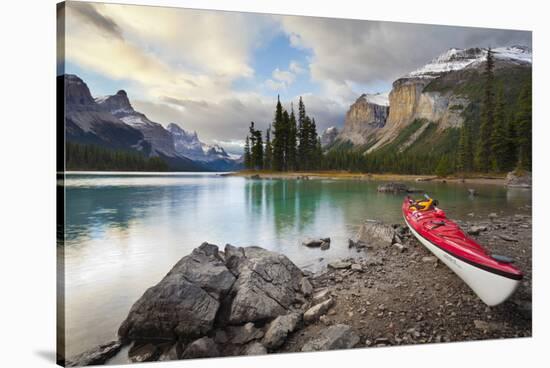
x,y
123,232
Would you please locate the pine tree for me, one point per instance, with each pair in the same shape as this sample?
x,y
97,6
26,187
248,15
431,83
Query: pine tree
x,y
291,144
500,158
279,138
268,154
443,167
523,127
465,156
483,152
247,157
302,135
258,151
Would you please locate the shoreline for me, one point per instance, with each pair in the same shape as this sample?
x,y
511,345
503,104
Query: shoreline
x,y
344,175
390,294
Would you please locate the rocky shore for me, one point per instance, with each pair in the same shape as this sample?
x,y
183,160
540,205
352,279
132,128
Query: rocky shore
x,y
250,301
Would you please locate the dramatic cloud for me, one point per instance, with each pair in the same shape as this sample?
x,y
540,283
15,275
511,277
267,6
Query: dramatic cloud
x,y
204,69
354,51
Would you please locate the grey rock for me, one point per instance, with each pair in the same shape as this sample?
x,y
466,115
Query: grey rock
x,y
507,238
339,265
143,353
393,188
338,336
356,267
279,328
305,287
267,285
320,296
204,347
243,334
475,230
325,245
171,352
472,192
255,348
96,356
372,231
519,180
429,259
400,247
313,313
185,302
492,215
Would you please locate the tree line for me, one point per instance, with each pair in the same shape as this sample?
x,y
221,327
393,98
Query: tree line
x,y
291,143
502,141
96,158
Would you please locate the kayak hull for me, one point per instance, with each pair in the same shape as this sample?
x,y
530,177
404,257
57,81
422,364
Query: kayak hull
x,y
491,279
491,288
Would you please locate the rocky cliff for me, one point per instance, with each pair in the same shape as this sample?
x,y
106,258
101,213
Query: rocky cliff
x,y
366,116
437,93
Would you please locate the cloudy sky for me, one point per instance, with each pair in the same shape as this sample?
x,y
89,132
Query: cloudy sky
x,y
214,72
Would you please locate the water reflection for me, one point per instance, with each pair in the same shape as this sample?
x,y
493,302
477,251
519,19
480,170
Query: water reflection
x,y
124,232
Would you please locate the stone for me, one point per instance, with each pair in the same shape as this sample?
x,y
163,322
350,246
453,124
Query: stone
x,y
517,179
475,230
481,325
492,215
171,352
143,353
320,296
313,313
325,245
326,240
279,328
400,247
255,348
184,303
375,231
266,280
220,337
393,188
339,265
507,238
356,267
338,336
96,356
472,192
243,334
312,243
305,287
429,259
204,347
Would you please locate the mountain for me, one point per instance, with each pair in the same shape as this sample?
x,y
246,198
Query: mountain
x,y
112,122
329,136
213,156
428,104
364,118
87,123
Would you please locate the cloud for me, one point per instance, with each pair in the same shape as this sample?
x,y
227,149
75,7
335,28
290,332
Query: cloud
x,y
89,13
296,67
275,85
366,52
284,76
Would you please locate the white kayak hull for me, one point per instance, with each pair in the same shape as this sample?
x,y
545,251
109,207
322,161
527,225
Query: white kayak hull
x,y
490,287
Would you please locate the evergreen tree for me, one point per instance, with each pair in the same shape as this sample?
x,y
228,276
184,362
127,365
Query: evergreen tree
x,y
523,127
256,148
291,144
465,156
443,167
500,158
483,152
302,135
247,156
279,138
268,154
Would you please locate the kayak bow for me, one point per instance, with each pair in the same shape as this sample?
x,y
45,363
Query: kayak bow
x,y
493,278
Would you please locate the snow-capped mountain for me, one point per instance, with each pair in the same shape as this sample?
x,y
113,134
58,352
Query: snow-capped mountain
x,y
457,59
328,136
189,145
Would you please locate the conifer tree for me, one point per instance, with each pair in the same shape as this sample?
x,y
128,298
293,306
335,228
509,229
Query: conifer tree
x,y
302,135
500,158
268,154
247,157
291,144
523,127
279,138
465,149
483,150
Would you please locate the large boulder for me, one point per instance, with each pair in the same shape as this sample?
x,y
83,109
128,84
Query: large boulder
x,y
338,336
393,188
375,232
204,347
185,302
519,179
267,285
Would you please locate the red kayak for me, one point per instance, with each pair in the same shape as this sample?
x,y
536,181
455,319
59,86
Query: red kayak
x,y
493,278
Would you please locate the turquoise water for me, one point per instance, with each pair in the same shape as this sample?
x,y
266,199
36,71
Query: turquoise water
x,y
125,231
